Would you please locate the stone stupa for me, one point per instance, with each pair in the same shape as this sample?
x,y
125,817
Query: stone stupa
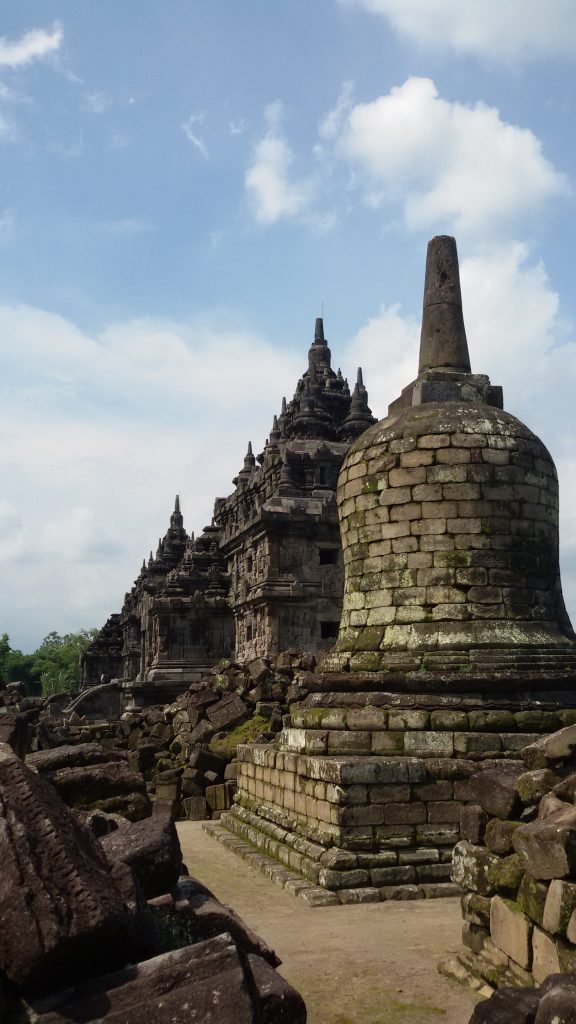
x,y
454,648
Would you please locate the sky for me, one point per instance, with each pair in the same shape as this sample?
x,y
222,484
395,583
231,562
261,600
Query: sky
x,y
186,185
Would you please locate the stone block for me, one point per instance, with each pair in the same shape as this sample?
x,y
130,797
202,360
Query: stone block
x,y
404,814
476,909
531,898
496,792
449,720
438,835
545,958
551,749
511,931
401,874
389,794
367,718
330,879
507,1005
388,743
429,744
506,875
533,785
559,907
408,719
474,936
470,867
473,823
548,848
444,811
228,712
498,835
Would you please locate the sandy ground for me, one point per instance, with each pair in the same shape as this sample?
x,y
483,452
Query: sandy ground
x,y
368,964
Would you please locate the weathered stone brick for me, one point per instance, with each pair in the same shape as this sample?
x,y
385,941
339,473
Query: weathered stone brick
x,y
417,458
559,907
470,867
388,743
427,492
453,456
511,931
428,527
443,811
404,814
449,474
434,441
411,510
407,476
394,495
429,744
439,509
545,956
387,876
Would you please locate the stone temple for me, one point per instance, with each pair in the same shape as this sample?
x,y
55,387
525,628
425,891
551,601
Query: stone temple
x,y
454,639
267,574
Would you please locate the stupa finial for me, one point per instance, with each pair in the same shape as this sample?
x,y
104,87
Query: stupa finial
x,y
443,343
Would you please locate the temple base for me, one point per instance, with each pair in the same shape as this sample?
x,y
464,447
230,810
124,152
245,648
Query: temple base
x,y
364,802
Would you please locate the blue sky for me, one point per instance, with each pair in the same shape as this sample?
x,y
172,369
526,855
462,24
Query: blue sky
x,y
186,185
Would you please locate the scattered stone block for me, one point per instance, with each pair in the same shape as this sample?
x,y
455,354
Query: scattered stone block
x,y
470,867
551,749
545,956
548,848
511,931
151,848
62,915
228,712
496,792
559,907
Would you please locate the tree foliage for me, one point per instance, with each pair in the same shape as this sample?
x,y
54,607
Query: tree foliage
x,y
53,667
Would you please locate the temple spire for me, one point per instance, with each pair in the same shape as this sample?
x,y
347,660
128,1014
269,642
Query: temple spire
x,y
319,331
443,344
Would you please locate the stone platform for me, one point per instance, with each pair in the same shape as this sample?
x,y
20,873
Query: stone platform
x,y
365,802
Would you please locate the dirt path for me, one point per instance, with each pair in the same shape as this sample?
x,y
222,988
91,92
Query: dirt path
x,y
368,964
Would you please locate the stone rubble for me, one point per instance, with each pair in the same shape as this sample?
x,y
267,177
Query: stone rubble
x,y
517,866
110,930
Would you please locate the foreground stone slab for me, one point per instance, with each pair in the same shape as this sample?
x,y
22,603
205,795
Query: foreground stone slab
x,y
151,848
111,786
62,916
210,982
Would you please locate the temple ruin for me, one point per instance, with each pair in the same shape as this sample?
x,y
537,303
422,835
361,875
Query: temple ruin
x,y
267,575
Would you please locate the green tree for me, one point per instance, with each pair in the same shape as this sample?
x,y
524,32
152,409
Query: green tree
x,y
57,660
17,667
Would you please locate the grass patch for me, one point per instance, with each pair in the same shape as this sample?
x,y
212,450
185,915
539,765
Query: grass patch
x,y
246,732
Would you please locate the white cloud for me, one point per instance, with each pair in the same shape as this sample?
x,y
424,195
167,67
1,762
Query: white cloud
x,y
238,127
493,29
33,45
516,335
189,129
445,162
273,192
97,434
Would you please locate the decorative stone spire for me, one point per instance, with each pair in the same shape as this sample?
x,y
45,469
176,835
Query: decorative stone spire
x,y
176,520
274,434
285,481
360,416
249,465
443,344
319,354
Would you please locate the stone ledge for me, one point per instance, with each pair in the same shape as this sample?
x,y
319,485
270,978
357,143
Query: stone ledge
x,y
243,839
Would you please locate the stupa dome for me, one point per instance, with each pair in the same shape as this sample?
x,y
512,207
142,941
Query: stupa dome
x,y
449,519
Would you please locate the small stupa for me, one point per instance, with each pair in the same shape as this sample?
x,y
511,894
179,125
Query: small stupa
x,y
454,650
